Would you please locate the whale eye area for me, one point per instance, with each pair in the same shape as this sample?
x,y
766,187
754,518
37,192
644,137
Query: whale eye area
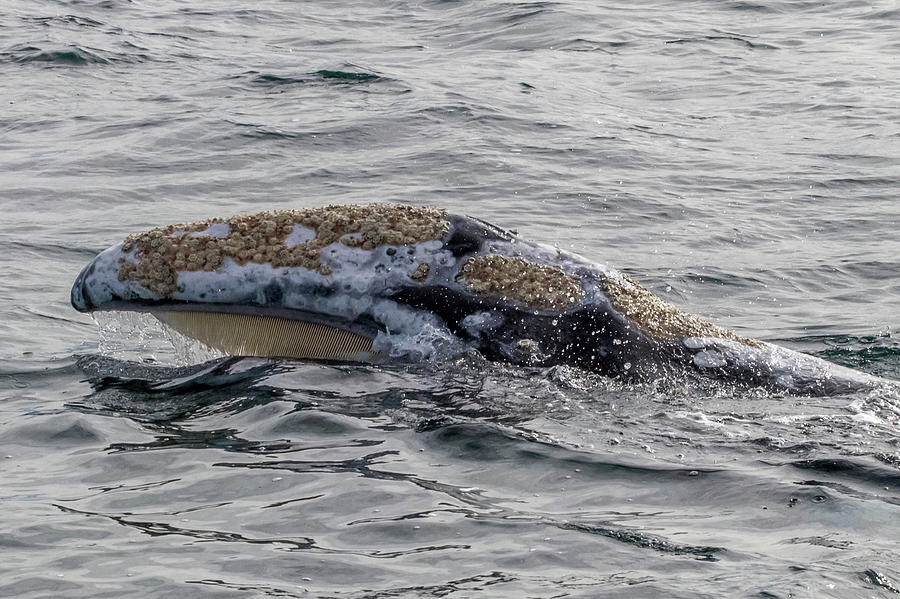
x,y
657,317
263,238
537,286
269,336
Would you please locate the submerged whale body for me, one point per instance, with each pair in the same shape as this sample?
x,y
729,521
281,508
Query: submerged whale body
x,y
385,282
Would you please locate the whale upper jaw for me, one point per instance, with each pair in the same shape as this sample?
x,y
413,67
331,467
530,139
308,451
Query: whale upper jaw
x,y
258,310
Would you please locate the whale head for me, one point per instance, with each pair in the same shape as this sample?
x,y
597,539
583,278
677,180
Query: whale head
x,y
360,283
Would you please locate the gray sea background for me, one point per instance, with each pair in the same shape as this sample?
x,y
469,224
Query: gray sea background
x,y
739,158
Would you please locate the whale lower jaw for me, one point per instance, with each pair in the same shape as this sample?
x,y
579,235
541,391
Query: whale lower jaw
x,y
269,336
265,332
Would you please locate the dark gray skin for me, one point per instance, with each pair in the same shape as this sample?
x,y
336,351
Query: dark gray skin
x,y
581,337
591,335
598,338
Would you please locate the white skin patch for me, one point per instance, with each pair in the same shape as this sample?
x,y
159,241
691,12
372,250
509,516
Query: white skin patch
x,y
694,342
710,359
784,366
371,271
214,230
299,235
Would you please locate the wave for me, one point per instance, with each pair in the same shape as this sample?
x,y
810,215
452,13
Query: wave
x,y
741,40
71,55
877,354
347,74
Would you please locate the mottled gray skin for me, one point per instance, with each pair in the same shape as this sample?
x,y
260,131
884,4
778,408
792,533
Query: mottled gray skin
x,y
374,292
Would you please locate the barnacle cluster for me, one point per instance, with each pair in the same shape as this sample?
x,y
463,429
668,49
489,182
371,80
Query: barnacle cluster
x,y
513,278
659,318
261,238
421,271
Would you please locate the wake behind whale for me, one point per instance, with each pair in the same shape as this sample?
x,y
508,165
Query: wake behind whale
x,y
387,282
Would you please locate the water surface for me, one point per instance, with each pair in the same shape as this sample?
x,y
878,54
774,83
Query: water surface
x,y
740,158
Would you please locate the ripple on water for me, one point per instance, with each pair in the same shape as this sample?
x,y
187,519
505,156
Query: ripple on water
x,y
745,169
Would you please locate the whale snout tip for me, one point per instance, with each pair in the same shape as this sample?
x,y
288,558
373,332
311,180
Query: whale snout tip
x,y
79,295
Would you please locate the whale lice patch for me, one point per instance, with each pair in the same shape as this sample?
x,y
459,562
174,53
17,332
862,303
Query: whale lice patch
x,y
270,238
659,318
537,286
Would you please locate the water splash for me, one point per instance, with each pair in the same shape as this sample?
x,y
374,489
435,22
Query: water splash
x,y
142,338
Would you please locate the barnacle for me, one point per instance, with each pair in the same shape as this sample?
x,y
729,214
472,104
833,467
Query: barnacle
x,y
513,278
161,253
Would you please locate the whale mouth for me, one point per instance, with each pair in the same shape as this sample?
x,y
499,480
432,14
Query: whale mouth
x,y
269,336
264,332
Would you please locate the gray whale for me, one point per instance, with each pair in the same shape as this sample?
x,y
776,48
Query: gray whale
x,y
386,282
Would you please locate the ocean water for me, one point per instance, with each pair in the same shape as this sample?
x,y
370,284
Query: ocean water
x,y
740,158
